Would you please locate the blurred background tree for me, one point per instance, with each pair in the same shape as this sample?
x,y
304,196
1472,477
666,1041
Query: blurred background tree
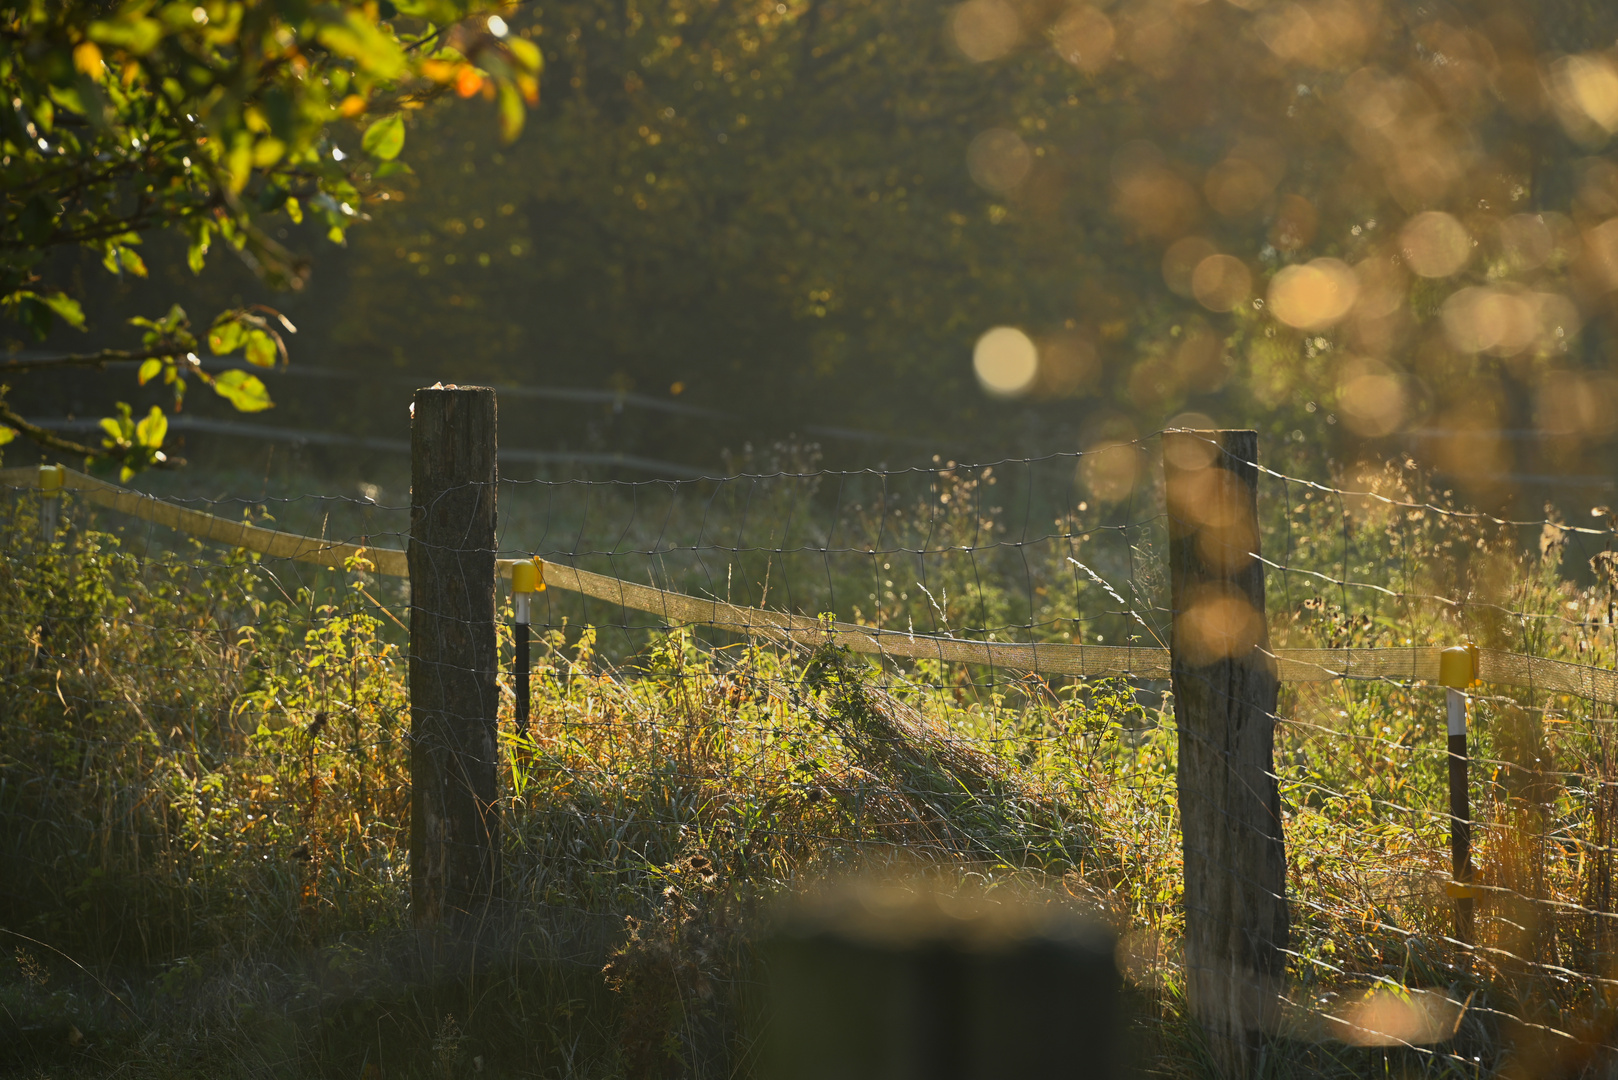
x,y
216,121
1372,229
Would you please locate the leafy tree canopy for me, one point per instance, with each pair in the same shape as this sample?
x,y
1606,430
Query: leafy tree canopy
x,y
210,118
1240,209
1349,218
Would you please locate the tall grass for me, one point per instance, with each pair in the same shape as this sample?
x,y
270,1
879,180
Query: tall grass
x,y
203,779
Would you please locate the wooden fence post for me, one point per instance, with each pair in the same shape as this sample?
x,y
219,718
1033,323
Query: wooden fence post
x,y
454,817
1224,709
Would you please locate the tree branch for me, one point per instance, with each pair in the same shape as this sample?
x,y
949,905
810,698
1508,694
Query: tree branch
x,y
52,441
41,436
95,360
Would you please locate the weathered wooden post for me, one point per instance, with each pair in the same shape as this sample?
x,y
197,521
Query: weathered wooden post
x,y
454,817
1224,708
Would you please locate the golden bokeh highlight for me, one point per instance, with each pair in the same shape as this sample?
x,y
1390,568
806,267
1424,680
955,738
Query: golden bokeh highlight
x,y
1151,37
1005,362
1575,403
1584,91
1372,397
1218,623
1404,132
1150,195
1313,295
1383,286
1193,454
1325,34
1596,268
999,160
1435,244
1221,282
1295,224
1470,447
1246,178
1215,504
1181,260
1505,321
1085,38
985,30
1109,470
1069,365
1387,1017
1529,241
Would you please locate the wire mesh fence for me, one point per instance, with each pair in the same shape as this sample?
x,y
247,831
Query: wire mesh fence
x,y
206,745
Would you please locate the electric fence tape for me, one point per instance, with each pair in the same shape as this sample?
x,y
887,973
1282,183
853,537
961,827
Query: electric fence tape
x,y
1054,658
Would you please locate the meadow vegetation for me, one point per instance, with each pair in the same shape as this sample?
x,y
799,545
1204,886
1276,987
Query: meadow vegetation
x,y
204,779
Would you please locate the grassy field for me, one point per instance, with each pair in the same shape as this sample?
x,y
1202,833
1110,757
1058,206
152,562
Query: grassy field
x,y
204,784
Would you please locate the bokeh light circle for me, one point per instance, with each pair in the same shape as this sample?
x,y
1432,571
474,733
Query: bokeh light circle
x,y
1435,244
985,29
999,160
1221,282
1006,362
1314,295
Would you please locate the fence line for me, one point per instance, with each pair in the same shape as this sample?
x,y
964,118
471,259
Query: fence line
x,y
1417,663
1350,774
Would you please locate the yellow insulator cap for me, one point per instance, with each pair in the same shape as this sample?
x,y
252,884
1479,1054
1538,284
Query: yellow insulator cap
x,y
51,479
527,577
1458,666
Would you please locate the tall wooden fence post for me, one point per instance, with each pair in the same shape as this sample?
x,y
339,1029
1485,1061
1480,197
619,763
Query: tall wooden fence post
x,y
454,817
1224,708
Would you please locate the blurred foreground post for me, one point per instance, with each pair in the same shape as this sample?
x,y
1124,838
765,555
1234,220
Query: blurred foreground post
x,y
1224,709
454,819
1457,668
878,983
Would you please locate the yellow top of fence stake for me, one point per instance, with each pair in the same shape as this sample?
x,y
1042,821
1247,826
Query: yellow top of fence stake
x,y
1458,666
527,577
51,478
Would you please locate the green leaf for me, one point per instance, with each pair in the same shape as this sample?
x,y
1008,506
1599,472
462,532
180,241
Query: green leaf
x,y
358,38
384,139
239,165
113,428
131,31
121,260
526,53
148,370
7,434
152,430
226,336
261,350
69,98
246,392
198,251
512,113
67,309
393,168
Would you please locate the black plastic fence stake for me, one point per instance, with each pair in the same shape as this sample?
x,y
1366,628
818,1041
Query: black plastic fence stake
x,y
1457,668
525,581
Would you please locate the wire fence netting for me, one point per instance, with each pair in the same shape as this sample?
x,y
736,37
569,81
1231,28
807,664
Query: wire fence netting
x,y
207,747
